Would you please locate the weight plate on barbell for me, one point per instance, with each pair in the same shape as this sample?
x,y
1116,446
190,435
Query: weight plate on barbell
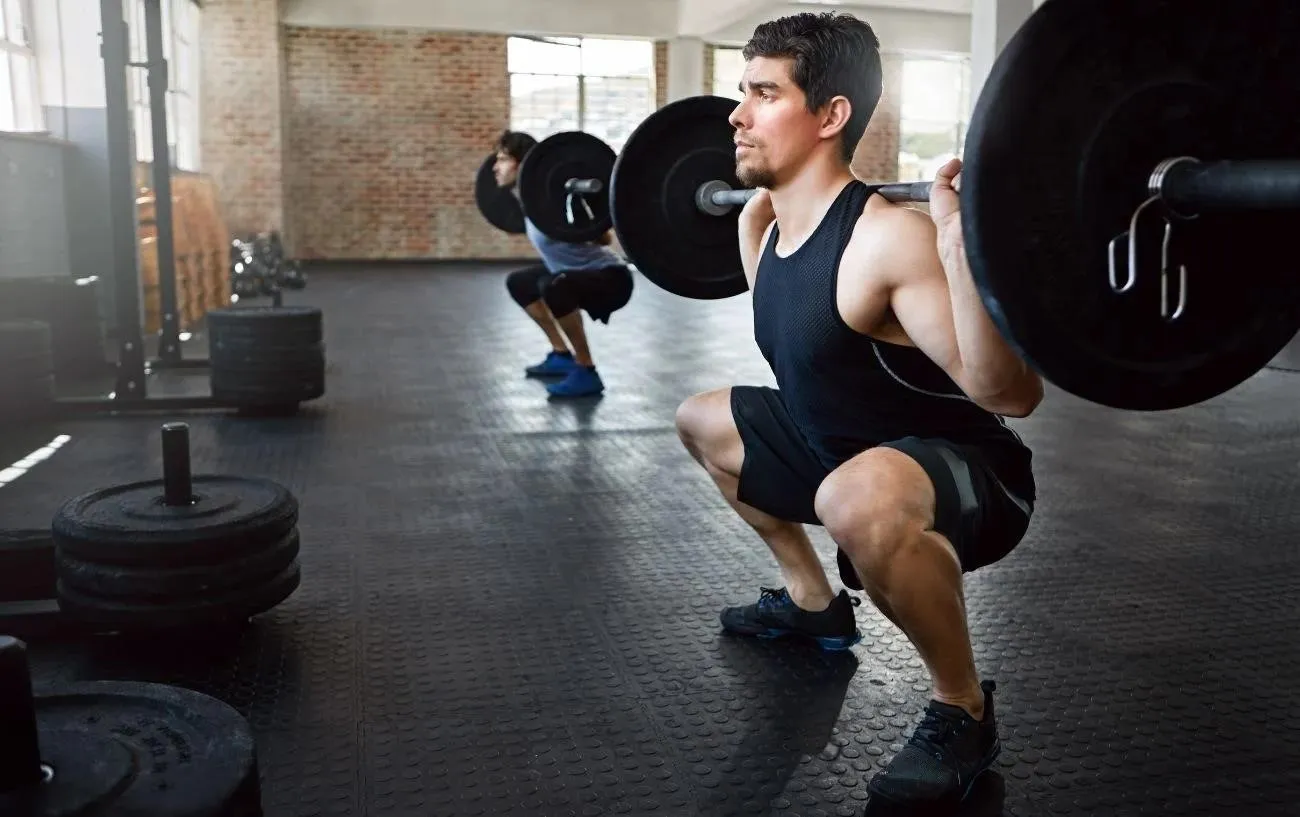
x,y
498,205
652,193
542,177
135,748
1082,104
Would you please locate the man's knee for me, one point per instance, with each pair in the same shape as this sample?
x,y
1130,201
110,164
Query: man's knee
x,y
707,430
561,296
524,286
873,507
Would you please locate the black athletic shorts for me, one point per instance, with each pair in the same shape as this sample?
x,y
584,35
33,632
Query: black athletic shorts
x,y
781,474
599,292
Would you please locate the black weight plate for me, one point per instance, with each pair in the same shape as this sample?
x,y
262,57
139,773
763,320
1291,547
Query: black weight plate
x,y
170,614
1084,101
652,196
290,325
498,205
542,176
179,581
141,749
131,525
27,569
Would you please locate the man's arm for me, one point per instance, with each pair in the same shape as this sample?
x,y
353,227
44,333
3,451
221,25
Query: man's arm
x,y
940,309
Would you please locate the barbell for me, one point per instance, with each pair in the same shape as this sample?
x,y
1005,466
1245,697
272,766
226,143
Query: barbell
x,y
1131,171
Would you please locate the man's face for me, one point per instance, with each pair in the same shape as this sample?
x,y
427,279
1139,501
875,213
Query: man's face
x,y
506,169
775,131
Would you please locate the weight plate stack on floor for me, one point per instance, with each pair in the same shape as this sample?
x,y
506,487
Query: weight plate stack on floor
x,y
177,553
267,357
27,362
120,748
71,308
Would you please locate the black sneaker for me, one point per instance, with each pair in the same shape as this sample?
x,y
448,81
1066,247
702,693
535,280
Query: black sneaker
x,y
775,615
947,752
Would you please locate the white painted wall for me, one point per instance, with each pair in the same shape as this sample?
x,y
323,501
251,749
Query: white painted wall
x,y
899,30
652,19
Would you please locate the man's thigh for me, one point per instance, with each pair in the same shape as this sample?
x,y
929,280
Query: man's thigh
x,y
982,519
600,293
780,474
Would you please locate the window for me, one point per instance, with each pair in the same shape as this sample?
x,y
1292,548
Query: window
x,y
180,23
20,106
935,114
603,87
728,68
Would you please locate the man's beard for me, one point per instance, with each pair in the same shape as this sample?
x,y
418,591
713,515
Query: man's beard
x,y
750,176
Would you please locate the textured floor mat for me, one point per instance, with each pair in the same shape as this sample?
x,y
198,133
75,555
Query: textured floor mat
x,y
509,605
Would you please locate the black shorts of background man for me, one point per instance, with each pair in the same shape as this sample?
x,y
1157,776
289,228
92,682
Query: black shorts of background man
x,y
886,427
571,278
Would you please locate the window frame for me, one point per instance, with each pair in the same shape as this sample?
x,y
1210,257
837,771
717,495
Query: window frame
x,y
581,77
183,132
33,119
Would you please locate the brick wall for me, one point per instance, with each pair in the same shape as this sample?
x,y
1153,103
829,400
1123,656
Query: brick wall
x,y
241,129
386,131
876,158
661,73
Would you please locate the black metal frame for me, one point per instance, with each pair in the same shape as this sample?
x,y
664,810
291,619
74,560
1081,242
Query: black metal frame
x,y
130,393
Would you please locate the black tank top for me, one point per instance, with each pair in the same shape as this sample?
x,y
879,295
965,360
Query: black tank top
x,y
847,391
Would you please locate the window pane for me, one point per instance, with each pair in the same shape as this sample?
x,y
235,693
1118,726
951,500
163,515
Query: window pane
x,y
6,95
617,58
27,115
615,106
533,57
932,90
728,68
542,105
13,17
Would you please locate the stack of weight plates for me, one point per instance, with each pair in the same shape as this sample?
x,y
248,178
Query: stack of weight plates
x,y
266,358
27,367
128,560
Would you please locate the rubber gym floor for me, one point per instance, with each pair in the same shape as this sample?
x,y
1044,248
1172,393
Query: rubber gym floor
x,y
509,606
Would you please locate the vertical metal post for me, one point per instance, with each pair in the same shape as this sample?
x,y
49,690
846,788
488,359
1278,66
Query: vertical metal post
x,y
169,341
121,204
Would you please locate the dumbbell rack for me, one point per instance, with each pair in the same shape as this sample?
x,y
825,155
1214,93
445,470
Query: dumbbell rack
x,y
130,393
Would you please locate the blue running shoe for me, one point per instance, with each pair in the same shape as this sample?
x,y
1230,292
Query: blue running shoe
x,y
556,364
580,382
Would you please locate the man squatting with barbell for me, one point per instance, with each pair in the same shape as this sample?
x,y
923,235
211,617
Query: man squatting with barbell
x,y
572,277
885,425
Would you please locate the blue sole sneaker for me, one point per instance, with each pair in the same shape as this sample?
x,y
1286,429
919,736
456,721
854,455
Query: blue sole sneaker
x,y
775,615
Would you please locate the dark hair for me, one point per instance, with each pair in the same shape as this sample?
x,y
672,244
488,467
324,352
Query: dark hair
x,y
515,144
834,55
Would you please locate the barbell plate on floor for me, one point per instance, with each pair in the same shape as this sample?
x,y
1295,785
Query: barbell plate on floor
x,y
1083,104
111,747
498,205
543,179
653,190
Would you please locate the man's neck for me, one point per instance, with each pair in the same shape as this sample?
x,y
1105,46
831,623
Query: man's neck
x,y
801,203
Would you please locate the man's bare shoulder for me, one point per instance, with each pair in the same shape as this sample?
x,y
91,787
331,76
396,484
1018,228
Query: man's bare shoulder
x,y
893,239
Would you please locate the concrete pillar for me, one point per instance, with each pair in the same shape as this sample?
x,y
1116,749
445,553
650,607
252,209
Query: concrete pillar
x,y
685,67
992,23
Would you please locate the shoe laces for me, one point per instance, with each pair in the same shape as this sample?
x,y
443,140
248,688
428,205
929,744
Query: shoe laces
x,y
769,597
932,732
